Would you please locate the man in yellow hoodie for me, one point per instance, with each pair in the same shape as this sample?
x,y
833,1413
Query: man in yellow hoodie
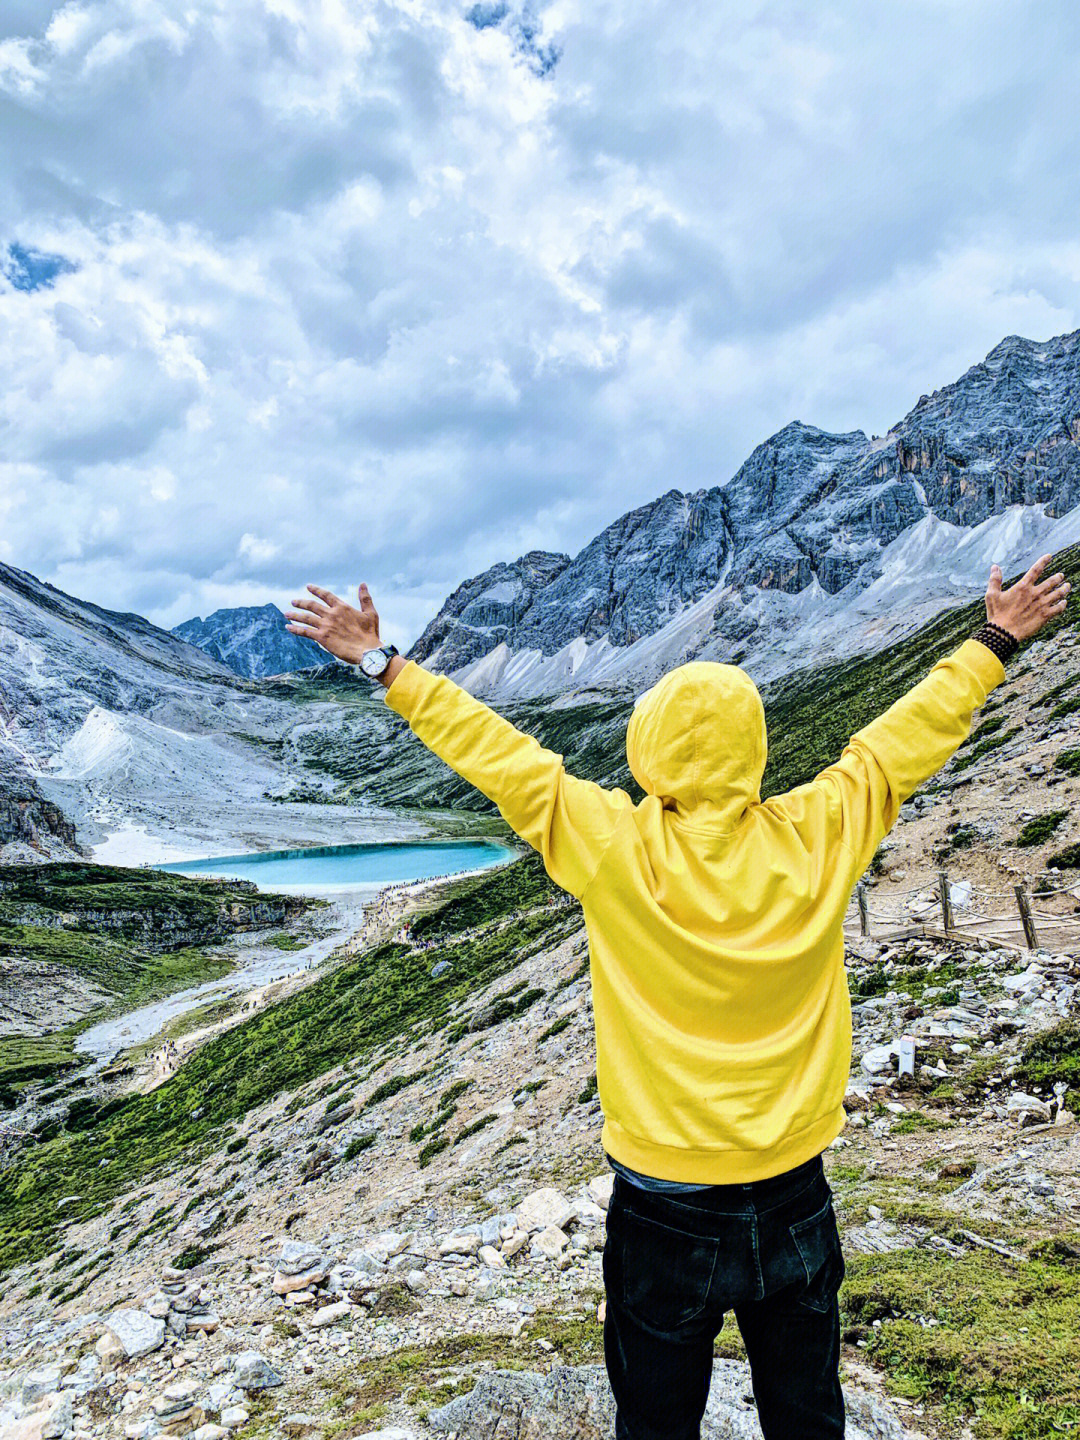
x,y
723,1021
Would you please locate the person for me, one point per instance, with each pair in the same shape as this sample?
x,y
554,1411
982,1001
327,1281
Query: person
x,y
721,1007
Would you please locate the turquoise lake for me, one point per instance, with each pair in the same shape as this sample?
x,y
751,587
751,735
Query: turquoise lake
x,y
350,866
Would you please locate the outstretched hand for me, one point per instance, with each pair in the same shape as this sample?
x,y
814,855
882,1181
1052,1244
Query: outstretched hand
x,y
336,625
1026,607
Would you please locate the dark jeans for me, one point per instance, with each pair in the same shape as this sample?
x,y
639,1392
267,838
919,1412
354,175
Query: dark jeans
x,y
675,1263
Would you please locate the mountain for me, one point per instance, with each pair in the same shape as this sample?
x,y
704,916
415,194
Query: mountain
x,y
251,640
820,543
118,738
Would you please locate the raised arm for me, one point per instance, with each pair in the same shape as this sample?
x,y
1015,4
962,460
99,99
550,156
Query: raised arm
x,y
857,799
568,820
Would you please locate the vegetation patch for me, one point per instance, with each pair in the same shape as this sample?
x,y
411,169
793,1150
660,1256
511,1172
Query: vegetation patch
x,y
348,1012
1067,859
977,1338
1053,1055
1041,828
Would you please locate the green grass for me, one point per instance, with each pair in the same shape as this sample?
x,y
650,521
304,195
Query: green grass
x,y
1052,1055
35,1057
1004,1353
1042,827
1067,859
1069,761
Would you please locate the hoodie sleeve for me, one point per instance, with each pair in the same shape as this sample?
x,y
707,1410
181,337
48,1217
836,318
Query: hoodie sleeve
x,y
887,760
568,820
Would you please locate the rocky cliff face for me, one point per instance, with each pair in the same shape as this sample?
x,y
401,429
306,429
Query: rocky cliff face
x,y
27,819
251,640
813,543
488,609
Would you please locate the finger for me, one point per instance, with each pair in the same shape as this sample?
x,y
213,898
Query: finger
x,y
1037,569
1051,582
366,602
308,630
300,620
310,605
994,585
326,595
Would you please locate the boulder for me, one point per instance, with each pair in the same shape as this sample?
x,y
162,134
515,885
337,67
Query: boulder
x,y
136,1332
578,1401
252,1371
544,1208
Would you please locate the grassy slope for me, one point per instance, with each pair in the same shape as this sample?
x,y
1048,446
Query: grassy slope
x,y
125,928
811,715
347,1013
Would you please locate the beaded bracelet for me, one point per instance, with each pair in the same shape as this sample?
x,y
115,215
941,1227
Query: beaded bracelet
x,y
997,639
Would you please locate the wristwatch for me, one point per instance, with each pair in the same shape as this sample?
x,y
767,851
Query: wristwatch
x,y
374,662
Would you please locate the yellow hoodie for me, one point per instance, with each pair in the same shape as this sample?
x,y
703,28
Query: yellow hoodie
x,y
720,999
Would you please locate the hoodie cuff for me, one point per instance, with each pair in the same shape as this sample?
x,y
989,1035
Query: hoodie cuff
x,y
980,659
407,687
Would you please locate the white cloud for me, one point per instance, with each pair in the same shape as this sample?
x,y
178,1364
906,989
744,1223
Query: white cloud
x,y
362,294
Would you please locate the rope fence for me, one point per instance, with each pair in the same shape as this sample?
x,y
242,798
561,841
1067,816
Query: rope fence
x,y
957,908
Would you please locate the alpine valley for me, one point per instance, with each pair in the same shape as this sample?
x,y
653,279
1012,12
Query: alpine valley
x,y
277,1164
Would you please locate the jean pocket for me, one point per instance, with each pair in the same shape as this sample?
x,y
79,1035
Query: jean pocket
x,y
663,1274
817,1239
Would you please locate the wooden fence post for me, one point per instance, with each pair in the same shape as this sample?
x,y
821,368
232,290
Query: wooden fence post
x,y
864,912
1025,916
946,901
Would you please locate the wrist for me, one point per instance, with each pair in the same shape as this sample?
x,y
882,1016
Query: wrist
x,y
397,664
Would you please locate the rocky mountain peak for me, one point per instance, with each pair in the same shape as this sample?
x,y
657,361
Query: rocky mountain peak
x,y
783,553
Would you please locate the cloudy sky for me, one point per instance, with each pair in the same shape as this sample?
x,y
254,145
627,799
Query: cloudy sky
x,y
329,290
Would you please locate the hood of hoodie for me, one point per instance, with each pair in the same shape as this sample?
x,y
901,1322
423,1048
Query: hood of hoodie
x,y
697,740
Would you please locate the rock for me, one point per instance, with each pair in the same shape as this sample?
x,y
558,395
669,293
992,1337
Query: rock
x,y
365,1262
578,1402
394,1433
544,1208
459,1245
599,1188
440,968
488,1255
587,1212
39,1383
298,1424
284,1284
331,1314
109,1348
50,1419
136,1332
209,1431
388,1242
1020,1102
550,1242
297,1256
232,1416
418,1281
878,1059
251,1371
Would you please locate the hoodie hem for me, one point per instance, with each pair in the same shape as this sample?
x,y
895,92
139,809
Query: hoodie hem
x,y
720,1167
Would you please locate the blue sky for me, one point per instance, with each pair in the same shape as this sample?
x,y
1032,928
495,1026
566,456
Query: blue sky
x,y
295,291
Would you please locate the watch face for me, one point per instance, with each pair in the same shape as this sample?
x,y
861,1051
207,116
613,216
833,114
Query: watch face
x,y
373,662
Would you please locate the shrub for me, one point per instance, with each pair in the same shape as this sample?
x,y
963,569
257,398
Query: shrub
x,y
1041,828
1067,859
